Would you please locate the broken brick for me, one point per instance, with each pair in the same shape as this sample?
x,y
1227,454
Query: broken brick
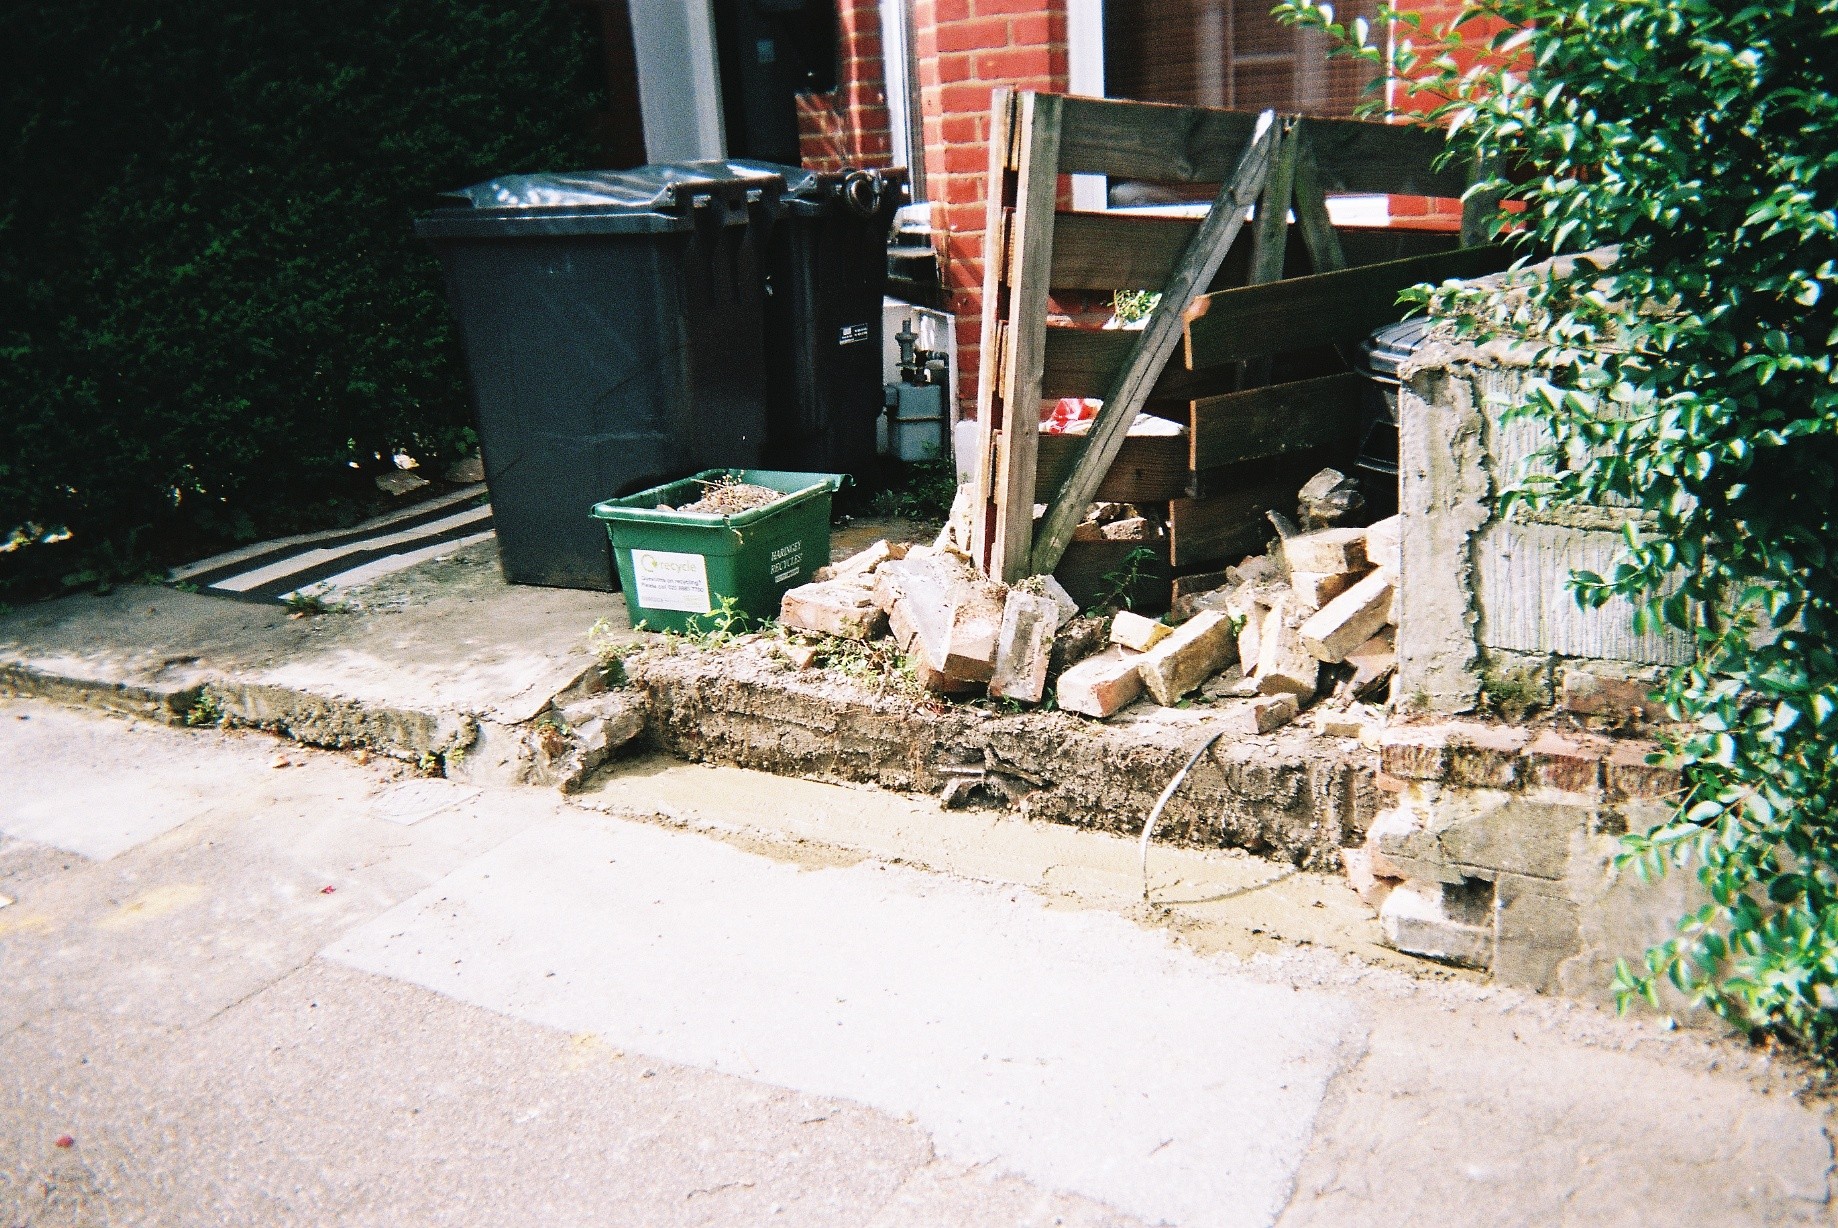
x,y
1101,685
1134,631
842,608
1023,648
1195,651
1350,619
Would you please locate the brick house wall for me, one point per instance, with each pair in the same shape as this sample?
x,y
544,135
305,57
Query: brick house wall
x,y
965,49
850,125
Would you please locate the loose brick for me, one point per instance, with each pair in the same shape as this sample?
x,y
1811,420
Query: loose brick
x,y
1283,665
975,632
1373,661
1101,685
1196,650
1328,552
1384,543
1265,714
1134,631
1315,589
1024,647
1350,619
842,608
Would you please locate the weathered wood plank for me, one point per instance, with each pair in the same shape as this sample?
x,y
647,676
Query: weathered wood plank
x,y
1148,140
1275,421
1148,468
1175,144
1004,550
1270,223
1155,343
1303,312
1365,156
997,207
1086,570
1230,523
1130,251
1325,251
1480,208
1083,362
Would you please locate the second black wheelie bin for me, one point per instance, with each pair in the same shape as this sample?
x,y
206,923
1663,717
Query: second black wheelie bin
x,y
826,276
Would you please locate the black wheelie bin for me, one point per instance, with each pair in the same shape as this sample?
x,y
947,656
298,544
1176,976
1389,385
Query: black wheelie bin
x,y
826,276
613,328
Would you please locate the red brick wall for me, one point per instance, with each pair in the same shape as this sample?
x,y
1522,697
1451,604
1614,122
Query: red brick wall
x,y
964,50
850,126
1433,212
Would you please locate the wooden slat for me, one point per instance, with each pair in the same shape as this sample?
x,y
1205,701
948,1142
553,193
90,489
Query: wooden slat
x,y
1155,343
1147,140
1085,565
1325,252
1231,522
1303,312
1083,362
1357,156
1008,533
1270,235
1148,468
1173,144
1270,224
1125,251
1479,210
998,198
1274,421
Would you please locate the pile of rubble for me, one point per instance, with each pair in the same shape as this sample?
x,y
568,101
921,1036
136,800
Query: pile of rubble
x,y
1309,623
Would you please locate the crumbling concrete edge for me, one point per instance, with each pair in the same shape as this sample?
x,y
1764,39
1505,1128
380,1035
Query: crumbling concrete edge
x,y
1290,795
569,738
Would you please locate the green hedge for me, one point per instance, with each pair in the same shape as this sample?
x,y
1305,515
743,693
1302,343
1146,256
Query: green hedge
x,y
214,320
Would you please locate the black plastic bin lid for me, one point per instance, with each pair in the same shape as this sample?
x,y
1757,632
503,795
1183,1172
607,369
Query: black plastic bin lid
x,y
649,200
1388,348
863,192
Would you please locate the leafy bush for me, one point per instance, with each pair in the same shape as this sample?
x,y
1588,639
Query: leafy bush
x,y
211,304
1693,379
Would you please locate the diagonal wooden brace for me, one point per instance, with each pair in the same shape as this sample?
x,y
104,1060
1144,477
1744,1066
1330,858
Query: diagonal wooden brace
x,y
1155,344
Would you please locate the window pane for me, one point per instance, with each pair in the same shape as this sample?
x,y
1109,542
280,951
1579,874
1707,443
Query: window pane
x,y
1228,53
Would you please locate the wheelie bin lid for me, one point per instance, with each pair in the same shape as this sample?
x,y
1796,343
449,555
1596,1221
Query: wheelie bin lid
x,y
649,200
865,192
1390,346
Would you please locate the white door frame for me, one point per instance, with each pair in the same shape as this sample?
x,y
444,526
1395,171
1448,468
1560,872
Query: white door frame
x,y
1085,75
679,81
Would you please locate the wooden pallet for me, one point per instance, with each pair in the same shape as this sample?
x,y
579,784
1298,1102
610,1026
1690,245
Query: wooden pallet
x,y
1259,377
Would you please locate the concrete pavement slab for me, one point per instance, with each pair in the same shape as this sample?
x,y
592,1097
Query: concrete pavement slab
x,y
335,1097
69,785
1024,1038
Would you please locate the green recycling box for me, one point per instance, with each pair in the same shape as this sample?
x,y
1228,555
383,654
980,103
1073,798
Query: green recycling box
x,y
676,567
